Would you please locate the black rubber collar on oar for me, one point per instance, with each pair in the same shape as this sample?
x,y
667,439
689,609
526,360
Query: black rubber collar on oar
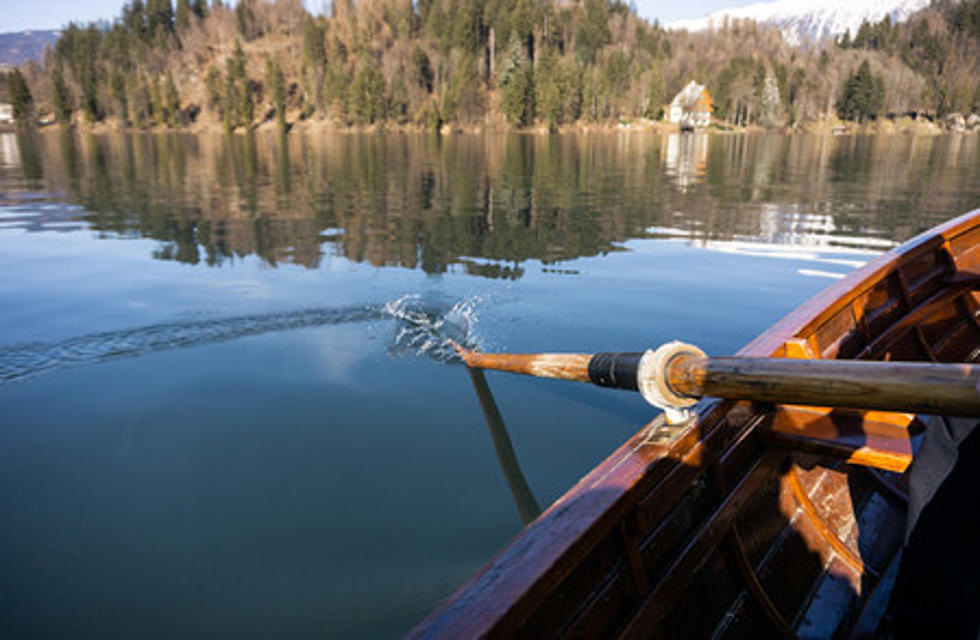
x,y
616,370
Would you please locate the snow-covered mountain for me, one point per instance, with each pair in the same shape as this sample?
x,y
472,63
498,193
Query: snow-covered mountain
x,y
800,19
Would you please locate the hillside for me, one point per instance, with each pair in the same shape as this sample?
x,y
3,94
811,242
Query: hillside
x,y
489,64
19,47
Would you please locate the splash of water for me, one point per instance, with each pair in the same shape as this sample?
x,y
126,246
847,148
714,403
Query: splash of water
x,y
426,331
421,330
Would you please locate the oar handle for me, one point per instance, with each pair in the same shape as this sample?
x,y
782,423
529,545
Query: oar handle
x,y
676,374
916,387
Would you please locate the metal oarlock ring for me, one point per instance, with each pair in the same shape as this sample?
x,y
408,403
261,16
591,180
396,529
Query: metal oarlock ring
x,y
653,384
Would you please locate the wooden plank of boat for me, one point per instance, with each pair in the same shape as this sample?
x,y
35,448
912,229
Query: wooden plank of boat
x,y
749,518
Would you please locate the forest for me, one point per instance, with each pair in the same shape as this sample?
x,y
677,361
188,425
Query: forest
x,y
494,64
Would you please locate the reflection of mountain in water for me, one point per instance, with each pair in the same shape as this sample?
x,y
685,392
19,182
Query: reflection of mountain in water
x,y
481,204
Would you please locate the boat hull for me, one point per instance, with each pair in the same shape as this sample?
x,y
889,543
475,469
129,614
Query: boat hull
x,y
751,518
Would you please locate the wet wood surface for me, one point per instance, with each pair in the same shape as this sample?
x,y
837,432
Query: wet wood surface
x,y
950,389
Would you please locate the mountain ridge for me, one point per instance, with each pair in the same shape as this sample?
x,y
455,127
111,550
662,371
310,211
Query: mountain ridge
x,y
17,47
803,20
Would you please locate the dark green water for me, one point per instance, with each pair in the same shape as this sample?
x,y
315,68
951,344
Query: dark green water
x,y
227,405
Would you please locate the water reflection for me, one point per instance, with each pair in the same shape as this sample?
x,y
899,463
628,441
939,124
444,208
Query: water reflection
x,y
527,506
686,158
9,151
484,205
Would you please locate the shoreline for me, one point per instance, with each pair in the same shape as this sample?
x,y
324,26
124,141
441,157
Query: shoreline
x,y
882,126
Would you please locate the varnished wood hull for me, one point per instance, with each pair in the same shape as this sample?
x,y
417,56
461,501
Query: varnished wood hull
x,y
751,520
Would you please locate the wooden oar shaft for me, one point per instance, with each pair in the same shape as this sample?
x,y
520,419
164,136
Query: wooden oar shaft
x,y
604,369
891,386
564,366
950,389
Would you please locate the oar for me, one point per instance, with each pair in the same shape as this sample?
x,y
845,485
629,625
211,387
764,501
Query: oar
x,y
527,506
676,375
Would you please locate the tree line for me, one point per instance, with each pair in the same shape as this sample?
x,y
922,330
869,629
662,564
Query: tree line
x,y
428,63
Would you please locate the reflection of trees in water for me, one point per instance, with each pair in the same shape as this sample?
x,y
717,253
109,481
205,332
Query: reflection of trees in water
x,y
486,203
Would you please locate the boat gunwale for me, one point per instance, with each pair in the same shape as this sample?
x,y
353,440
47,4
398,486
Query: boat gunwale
x,y
500,596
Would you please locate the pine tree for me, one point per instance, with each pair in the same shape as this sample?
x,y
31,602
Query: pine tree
x,y
183,18
60,98
314,65
517,83
593,30
245,19
156,102
139,102
117,86
171,102
549,88
159,18
21,99
367,92
421,68
200,8
238,92
863,95
216,94
655,94
275,83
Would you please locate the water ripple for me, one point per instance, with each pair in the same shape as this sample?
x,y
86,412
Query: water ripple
x,y
422,329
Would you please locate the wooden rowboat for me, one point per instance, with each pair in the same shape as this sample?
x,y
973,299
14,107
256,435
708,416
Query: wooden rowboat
x,y
750,519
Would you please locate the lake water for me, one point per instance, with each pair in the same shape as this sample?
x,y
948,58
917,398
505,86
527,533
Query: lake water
x,y
227,402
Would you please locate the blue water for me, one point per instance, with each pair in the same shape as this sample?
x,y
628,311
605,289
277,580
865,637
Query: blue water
x,y
227,400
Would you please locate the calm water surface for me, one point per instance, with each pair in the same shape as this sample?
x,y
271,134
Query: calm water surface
x,y
227,405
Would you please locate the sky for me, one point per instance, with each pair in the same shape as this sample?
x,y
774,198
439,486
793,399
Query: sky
x,y
17,15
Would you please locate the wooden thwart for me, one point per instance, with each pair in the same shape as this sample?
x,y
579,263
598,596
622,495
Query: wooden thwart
x,y
874,439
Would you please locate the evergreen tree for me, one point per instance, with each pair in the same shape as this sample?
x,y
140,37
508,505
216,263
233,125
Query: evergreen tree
x,y
21,99
467,26
238,91
134,19
216,95
517,83
245,19
421,69
862,96
655,94
117,86
275,83
593,30
140,104
183,18
79,50
367,91
314,65
200,8
863,38
550,89
60,98
156,103
159,18
398,99
171,102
